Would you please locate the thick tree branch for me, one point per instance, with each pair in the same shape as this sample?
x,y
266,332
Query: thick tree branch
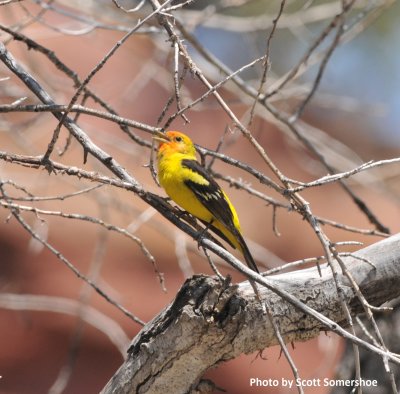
x,y
210,322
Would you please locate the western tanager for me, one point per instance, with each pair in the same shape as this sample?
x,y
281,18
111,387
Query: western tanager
x,y
189,184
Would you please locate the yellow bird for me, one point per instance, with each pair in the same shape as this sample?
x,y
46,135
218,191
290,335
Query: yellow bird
x,y
189,184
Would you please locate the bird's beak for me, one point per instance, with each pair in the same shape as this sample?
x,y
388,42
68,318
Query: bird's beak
x,y
160,137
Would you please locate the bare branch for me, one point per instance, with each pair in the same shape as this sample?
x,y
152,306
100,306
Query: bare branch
x,y
229,318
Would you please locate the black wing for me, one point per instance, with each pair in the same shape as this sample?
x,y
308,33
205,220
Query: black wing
x,y
211,195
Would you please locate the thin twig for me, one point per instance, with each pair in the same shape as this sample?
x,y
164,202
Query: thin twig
x,y
65,261
266,62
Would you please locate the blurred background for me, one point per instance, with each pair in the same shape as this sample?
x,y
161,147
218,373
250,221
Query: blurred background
x,y
57,334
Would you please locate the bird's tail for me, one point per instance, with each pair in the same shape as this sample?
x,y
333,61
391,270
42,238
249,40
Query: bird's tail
x,y
247,256
236,240
246,252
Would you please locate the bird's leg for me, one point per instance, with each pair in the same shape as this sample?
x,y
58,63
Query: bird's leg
x,y
181,213
167,201
187,217
203,232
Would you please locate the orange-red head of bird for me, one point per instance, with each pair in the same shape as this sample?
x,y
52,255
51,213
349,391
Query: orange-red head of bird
x,y
175,142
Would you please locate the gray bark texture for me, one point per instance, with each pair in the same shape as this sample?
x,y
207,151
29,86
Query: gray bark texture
x,y
210,322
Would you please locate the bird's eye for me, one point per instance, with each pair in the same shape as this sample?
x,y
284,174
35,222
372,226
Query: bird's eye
x,y
178,139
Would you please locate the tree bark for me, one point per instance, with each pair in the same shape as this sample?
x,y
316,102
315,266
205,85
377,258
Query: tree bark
x,y
210,322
